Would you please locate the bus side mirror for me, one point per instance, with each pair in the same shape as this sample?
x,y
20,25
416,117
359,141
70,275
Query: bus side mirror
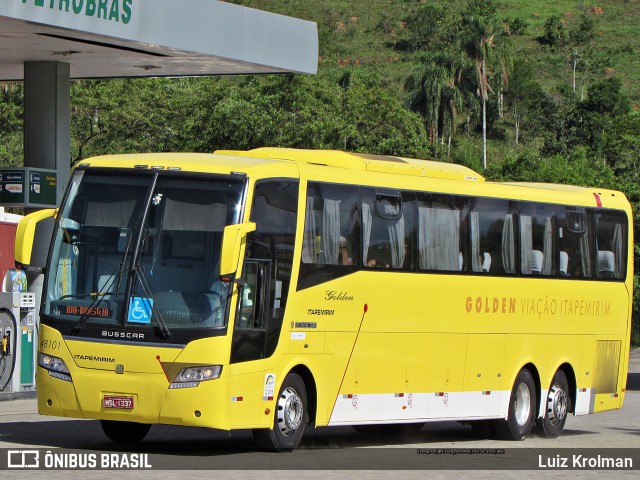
x,y
233,238
33,237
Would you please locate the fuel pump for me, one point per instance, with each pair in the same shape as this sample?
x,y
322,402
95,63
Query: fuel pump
x,y
27,340
18,341
8,328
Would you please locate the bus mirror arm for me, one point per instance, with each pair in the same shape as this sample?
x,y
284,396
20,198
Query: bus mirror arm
x,y
232,279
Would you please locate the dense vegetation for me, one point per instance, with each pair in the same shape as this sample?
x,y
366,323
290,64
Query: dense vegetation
x,y
534,91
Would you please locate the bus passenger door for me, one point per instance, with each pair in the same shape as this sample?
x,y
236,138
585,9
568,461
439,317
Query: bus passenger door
x,y
248,344
249,333
261,306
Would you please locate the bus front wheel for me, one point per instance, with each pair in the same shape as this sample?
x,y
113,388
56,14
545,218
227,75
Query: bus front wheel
x,y
557,407
124,432
522,405
290,417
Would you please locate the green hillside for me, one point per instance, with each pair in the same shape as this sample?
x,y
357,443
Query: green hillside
x,y
403,77
369,33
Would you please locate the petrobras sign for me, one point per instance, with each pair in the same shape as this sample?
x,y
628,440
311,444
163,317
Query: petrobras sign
x,y
93,16
215,28
119,11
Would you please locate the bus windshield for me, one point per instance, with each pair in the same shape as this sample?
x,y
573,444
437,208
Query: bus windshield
x,y
141,252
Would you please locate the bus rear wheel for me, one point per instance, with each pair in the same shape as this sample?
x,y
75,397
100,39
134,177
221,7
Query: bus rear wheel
x,y
290,418
125,432
521,413
558,404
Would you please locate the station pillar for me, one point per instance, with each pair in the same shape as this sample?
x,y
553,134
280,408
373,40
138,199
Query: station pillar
x,y
47,119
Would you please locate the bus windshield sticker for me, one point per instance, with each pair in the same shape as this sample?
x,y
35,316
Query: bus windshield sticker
x,y
140,310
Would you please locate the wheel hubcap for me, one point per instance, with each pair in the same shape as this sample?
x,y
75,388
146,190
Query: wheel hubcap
x,y
290,411
523,404
557,403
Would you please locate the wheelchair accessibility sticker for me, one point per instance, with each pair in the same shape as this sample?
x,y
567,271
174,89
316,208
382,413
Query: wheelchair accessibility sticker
x,y
140,310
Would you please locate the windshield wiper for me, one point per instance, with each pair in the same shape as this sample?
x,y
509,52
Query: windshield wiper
x,y
105,290
97,298
162,325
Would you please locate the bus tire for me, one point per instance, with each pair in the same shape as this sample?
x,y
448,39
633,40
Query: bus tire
x,y
290,417
522,409
125,432
557,407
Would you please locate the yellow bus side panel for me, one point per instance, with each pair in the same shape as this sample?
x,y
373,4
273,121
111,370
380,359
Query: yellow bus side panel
x,y
455,347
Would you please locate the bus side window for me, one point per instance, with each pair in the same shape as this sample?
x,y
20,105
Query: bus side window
x,y
611,241
331,220
538,239
439,226
383,227
491,236
331,236
575,240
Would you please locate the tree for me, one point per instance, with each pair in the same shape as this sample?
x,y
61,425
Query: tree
x,y
607,97
129,115
337,110
526,100
434,93
517,26
554,32
434,87
425,28
426,86
621,147
574,123
481,26
379,122
11,122
580,37
454,101
605,102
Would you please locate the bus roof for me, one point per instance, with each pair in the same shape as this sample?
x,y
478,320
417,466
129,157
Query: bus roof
x,y
600,193
195,162
361,161
288,162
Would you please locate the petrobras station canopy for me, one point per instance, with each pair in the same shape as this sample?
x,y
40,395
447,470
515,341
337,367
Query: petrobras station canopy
x,y
130,38
46,43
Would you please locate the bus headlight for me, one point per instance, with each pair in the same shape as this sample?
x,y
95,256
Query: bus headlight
x,y
55,366
192,376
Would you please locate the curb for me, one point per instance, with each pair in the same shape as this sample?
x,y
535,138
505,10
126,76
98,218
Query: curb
x,y
7,396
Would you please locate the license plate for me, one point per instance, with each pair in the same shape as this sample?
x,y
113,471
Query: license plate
x,y
113,401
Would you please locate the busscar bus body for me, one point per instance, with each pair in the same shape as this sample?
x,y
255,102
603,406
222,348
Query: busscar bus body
x,y
276,288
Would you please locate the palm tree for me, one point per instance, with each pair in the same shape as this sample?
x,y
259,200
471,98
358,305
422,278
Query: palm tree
x,y
481,28
434,92
454,101
425,86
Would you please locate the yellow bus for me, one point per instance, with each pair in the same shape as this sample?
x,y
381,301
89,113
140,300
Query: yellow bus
x,y
275,288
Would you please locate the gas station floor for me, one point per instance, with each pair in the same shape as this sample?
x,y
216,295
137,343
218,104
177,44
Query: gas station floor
x,y
13,396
